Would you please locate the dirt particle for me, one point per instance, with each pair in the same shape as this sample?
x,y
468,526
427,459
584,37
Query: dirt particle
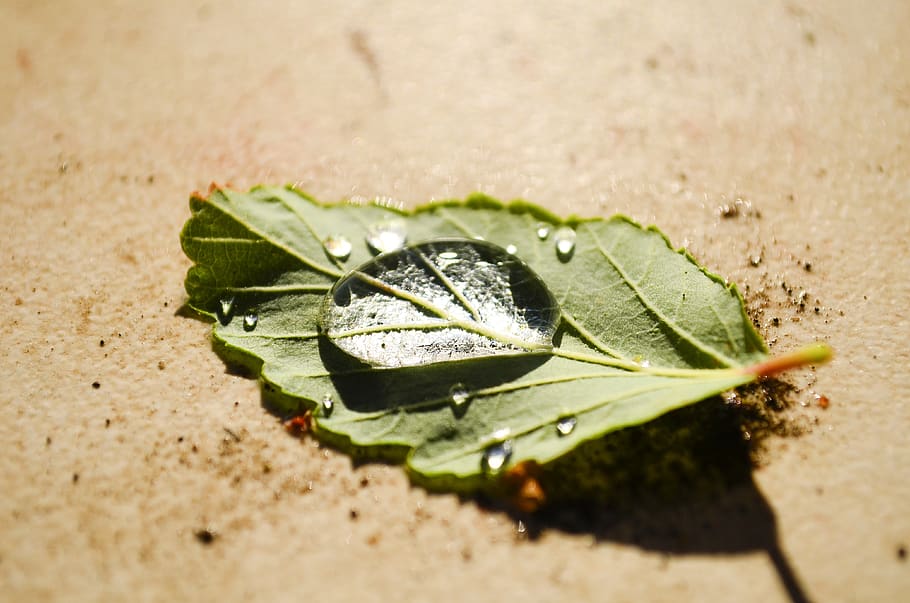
x,y
364,482
807,266
47,441
24,60
353,514
822,401
96,384
161,365
205,535
902,552
75,477
809,38
360,45
652,63
18,301
373,539
107,422
101,343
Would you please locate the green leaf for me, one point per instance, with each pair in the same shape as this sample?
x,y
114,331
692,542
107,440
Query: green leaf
x,y
640,329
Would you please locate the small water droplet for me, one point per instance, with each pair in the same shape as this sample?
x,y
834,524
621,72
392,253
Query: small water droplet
x,y
644,363
565,243
543,231
387,235
338,247
250,321
225,310
459,394
511,249
496,456
328,405
501,433
566,425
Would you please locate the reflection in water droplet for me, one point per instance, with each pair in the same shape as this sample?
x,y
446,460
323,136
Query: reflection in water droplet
x,y
496,456
338,247
565,243
566,425
512,249
644,363
250,321
387,235
328,405
543,231
459,394
225,310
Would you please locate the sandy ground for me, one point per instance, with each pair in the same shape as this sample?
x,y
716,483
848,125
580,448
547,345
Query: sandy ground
x,y
115,412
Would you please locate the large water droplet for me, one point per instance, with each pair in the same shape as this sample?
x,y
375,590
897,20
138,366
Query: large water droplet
x,y
566,425
250,321
443,300
512,249
496,456
565,243
225,310
338,247
543,231
388,235
328,405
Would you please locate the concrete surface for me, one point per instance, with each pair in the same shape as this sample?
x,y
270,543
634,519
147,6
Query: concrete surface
x,y
111,113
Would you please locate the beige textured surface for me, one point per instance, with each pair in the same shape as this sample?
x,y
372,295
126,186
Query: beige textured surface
x,y
111,113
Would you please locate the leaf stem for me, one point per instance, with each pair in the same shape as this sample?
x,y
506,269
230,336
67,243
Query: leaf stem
x,y
631,366
817,353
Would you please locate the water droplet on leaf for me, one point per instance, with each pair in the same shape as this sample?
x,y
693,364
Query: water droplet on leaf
x,y
225,310
447,299
250,321
328,405
338,247
511,249
543,231
385,236
496,457
459,394
565,243
566,425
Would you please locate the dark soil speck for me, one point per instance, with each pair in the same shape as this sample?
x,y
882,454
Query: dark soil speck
x,y
205,536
